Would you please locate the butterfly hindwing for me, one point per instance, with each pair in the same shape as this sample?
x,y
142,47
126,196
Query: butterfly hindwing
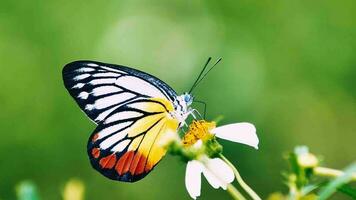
x,y
128,143
101,88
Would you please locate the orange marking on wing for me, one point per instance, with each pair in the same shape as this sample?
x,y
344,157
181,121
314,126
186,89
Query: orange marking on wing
x,y
141,165
120,166
95,137
95,152
148,166
134,163
108,161
128,162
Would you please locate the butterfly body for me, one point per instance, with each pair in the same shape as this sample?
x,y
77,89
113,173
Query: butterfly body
x,y
133,111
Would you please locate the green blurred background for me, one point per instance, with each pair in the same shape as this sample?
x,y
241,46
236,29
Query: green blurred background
x,y
289,67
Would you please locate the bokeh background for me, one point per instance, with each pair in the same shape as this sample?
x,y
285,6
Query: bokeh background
x,y
288,67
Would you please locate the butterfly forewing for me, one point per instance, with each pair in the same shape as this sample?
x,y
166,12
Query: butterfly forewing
x,y
100,88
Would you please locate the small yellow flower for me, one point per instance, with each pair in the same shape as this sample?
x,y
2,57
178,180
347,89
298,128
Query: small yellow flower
x,y
198,130
74,190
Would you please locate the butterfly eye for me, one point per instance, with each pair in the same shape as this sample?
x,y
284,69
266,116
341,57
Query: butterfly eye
x,y
187,98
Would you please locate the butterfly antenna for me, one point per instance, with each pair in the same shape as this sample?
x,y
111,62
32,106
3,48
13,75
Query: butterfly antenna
x,y
217,62
195,83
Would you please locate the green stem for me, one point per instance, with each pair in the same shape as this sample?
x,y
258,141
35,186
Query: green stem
x,y
239,179
328,172
234,192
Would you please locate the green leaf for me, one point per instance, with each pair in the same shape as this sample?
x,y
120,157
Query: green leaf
x,y
346,189
332,187
309,188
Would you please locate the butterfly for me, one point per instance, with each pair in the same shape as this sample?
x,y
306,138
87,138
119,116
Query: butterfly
x,y
133,111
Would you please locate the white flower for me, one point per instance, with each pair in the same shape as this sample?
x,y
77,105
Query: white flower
x,y
216,171
244,133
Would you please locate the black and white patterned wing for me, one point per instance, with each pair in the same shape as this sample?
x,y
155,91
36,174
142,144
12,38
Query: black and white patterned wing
x,y
100,88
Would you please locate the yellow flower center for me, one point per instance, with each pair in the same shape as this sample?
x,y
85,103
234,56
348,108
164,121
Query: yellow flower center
x,y
198,130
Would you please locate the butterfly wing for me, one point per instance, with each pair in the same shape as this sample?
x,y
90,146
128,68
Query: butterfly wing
x,y
100,88
131,109
129,142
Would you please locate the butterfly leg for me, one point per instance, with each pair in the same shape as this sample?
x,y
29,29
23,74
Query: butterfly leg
x,y
204,104
185,127
195,114
192,114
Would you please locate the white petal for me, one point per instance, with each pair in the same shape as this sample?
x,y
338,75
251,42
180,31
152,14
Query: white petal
x,y
193,178
221,169
212,179
218,173
244,133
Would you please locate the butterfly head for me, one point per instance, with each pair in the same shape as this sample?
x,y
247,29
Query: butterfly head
x,y
182,106
188,98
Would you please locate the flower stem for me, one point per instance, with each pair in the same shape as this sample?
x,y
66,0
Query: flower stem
x,y
328,172
234,192
239,179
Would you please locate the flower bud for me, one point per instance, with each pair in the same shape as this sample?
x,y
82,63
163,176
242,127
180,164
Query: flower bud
x,y
307,160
